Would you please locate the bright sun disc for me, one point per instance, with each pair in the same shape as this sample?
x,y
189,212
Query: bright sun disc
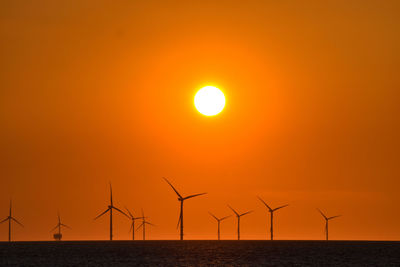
x,y
209,101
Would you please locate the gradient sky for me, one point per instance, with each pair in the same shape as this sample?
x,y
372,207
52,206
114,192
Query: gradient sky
x,y
99,91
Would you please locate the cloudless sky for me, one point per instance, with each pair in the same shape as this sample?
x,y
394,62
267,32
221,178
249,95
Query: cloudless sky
x,y
99,91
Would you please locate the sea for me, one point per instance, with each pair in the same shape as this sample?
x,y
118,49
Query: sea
x,y
200,253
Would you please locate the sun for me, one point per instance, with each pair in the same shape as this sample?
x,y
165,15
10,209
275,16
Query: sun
x,y
209,101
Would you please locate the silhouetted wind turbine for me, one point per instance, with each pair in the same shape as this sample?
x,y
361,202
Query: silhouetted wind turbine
x,y
271,211
9,219
144,222
181,199
219,222
58,236
238,219
110,209
326,222
133,219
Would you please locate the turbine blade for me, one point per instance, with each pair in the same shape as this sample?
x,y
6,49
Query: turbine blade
x,y
54,228
196,195
226,217
66,226
179,220
245,213
213,216
6,219
176,191
322,214
150,223
130,228
280,207
139,226
334,217
237,214
15,220
111,201
102,214
264,203
130,214
117,209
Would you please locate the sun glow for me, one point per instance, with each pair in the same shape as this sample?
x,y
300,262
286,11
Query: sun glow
x,y
209,101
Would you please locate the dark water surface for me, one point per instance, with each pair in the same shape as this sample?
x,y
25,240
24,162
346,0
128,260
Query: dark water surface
x,y
200,253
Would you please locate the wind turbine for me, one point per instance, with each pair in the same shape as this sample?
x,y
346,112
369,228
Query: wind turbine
x,y
58,235
181,199
326,222
133,219
219,222
238,219
144,222
110,209
271,211
9,219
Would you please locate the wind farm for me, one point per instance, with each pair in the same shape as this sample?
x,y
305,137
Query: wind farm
x,y
144,222
199,133
160,252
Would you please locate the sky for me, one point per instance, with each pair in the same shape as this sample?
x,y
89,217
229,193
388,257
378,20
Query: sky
x,y
93,92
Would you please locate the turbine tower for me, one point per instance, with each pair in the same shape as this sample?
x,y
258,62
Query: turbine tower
x,y
271,211
110,209
133,219
181,199
238,219
219,222
326,222
58,235
143,225
9,219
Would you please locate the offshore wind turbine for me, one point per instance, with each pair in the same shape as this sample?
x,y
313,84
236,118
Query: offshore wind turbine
x,y
219,222
58,235
271,211
133,219
9,219
326,222
238,219
143,225
181,199
110,209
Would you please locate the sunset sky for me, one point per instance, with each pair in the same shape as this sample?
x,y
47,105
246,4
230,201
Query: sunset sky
x,y
93,92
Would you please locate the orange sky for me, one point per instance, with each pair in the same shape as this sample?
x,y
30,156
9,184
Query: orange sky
x,y
99,91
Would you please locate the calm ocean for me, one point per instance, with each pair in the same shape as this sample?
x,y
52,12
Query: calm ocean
x,y
200,253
